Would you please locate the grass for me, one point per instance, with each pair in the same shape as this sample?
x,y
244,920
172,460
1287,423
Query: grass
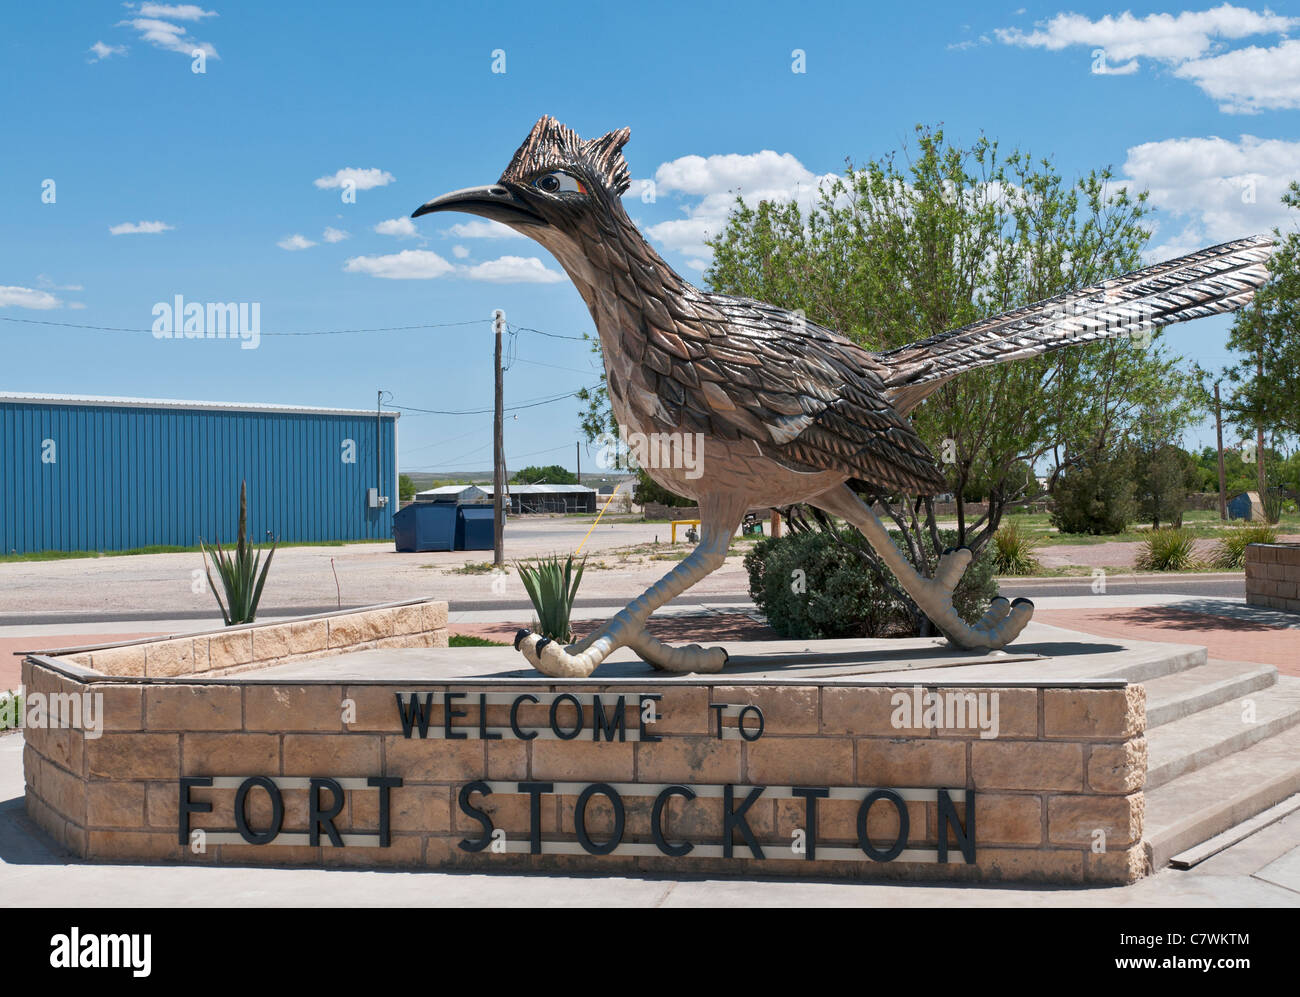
x,y
1201,524
11,707
474,568
468,640
62,555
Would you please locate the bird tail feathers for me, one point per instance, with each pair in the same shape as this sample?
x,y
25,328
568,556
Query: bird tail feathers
x,y
1219,279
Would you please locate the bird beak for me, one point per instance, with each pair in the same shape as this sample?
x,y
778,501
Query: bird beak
x,y
496,202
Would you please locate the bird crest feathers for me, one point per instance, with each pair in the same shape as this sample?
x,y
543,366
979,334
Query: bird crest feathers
x,y
551,145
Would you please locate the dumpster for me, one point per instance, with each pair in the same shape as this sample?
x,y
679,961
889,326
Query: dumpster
x,y
426,526
474,527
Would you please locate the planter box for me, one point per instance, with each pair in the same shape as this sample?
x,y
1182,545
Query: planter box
x,y
1273,576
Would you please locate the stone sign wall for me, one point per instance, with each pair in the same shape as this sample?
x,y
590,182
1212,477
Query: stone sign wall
x,y
696,775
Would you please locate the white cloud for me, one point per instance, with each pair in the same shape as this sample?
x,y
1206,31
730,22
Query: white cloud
x,y
100,51
1249,80
717,181
403,228
460,252
179,12
1191,43
421,264
409,264
481,229
360,179
295,241
49,285
168,36
1210,190
27,297
140,228
513,270
332,234
1168,37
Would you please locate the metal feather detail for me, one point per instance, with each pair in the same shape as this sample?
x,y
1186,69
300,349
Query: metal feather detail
x,y
1214,280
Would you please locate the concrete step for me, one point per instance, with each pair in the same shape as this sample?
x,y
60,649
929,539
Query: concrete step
x,y
1204,737
1202,803
1181,694
1150,662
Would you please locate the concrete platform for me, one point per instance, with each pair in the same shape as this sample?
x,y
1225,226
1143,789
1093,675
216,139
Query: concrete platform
x,y
1044,656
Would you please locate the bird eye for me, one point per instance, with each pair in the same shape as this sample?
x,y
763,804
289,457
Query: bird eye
x,y
557,183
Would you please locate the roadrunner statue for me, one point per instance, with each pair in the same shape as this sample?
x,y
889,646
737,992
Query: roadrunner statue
x,y
788,411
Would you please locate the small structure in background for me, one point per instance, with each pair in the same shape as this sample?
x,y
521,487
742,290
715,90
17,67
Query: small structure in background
x,y
464,494
526,499
1247,506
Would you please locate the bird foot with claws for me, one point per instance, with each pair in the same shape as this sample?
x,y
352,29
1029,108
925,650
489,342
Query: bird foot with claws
x,y
999,626
581,659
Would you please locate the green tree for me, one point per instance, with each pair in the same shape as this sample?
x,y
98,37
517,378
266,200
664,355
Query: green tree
x,y
405,487
892,253
1266,381
552,474
1094,495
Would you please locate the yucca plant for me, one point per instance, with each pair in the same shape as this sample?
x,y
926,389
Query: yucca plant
x,y
1230,552
239,574
1013,551
1169,549
552,586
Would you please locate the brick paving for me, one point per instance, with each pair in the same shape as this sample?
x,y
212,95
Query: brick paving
x,y
1224,637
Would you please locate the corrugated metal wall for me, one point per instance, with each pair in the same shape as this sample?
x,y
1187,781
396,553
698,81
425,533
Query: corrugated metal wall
x,y
124,477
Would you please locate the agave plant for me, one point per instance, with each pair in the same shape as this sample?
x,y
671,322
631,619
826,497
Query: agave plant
x,y
552,586
1014,550
239,574
1230,552
1170,549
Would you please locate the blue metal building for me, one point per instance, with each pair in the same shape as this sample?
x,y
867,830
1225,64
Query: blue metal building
x,y
82,473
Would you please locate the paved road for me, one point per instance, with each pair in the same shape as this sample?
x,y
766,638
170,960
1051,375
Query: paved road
x,y
616,590
1213,586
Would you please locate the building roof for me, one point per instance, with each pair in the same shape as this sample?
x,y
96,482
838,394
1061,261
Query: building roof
x,y
32,397
542,489
452,491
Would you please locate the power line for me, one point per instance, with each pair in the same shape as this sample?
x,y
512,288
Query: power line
x,y
534,403
549,335
310,332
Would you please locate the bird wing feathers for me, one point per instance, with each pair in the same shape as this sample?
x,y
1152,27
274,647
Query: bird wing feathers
x,y
809,398
1218,279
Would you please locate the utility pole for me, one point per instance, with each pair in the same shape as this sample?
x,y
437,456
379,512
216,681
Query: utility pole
x,y
1218,430
498,454
577,452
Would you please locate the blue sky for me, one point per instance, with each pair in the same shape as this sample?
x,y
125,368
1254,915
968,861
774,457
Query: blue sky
x,y
236,168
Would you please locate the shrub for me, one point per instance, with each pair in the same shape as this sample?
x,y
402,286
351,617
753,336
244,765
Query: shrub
x,y
1230,553
809,586
1013,551
1095,497
1167,550
1274,502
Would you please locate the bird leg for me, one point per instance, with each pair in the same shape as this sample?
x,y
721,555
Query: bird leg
x,y
999,626
719,519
